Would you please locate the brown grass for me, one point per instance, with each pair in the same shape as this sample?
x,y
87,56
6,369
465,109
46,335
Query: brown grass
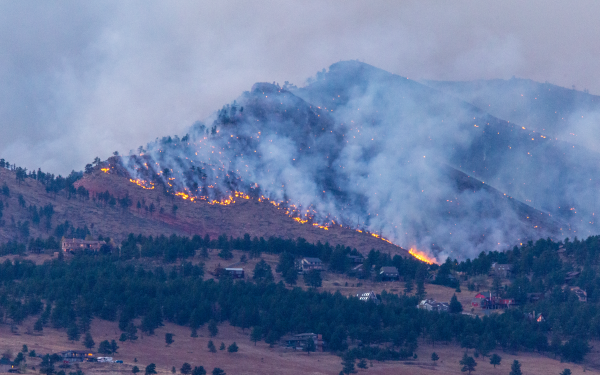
x,y
259,359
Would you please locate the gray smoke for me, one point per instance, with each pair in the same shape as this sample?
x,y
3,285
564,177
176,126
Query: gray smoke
x,y
373,151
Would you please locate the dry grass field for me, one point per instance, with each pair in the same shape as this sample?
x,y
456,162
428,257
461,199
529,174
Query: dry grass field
x,y
259,359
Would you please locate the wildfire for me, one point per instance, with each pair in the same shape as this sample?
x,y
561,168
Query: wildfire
x,y
105,170
422,256
143,184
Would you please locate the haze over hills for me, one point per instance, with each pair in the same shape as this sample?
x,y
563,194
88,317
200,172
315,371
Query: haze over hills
x,y
376,151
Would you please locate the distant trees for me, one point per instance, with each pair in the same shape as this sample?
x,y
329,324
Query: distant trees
x,y
168,338
468,364
198,370
495,359
313,278
434,357
211,347
213,330
88,342
455,305
150,369
515,368
233,348
262,272
256,334
186,368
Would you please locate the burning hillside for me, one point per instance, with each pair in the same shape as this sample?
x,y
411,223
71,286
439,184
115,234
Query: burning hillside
x,y
366,150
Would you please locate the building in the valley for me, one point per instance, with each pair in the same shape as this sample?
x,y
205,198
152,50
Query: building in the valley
x,y
75,244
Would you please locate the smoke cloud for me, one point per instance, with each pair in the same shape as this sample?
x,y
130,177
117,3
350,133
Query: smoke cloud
x,y
374,151
81,80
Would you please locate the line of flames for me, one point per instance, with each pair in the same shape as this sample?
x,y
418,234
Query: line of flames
x,y
422,256
238,194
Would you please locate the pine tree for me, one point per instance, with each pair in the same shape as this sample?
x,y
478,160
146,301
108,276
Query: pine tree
x,y
434,357
135,369
199,370
186,368
362,364
212,328
113,346
256,334
348,363
495,360
88,342
168,338
515,368
468,364
408,285
218,371
566,372
233,348
150,369
222,346
455,306
211,347
73,332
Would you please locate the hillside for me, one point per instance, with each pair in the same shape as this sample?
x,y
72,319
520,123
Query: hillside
x,y
260,219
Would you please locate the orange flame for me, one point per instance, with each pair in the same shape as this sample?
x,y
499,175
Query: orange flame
x,y
422,256
105,170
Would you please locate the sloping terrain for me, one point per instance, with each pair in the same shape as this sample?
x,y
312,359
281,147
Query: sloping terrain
x,y
261,219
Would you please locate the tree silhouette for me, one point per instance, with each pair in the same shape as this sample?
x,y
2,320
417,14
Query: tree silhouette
x,y
455,306
88,342
468,364
135,369
168,338
434,357
233,348
256,334
310,346
495,360
515,368
211,347
186,368
150,369
198,370
213,330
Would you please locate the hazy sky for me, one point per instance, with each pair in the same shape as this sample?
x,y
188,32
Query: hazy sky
x,y
83,79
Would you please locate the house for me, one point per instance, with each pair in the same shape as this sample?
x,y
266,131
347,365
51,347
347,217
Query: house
x,y
580,293
368,296
486,300
6,365
389,273
235,273
532,316
298,342
71,356
308,264
356,259
502,270
75,244
432,305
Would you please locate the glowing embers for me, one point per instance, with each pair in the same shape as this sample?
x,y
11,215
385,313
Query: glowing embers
x,y
105,170
422,256
143,184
